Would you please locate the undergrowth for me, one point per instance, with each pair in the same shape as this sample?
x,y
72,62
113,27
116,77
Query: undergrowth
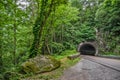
x,y
55,74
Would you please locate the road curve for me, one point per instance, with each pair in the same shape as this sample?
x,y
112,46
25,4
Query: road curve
x,y
93,68
110,63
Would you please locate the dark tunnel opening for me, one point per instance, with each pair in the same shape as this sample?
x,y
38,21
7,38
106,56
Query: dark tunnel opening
x,y
87,49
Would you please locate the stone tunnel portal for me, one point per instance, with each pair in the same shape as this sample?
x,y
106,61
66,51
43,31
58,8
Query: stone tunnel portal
x,y
87,49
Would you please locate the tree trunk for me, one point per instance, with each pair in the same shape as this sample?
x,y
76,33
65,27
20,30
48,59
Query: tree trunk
x,y
1,50
14,51
38,27
1,64
14,41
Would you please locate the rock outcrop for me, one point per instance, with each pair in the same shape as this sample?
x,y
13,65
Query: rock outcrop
x,y
40,64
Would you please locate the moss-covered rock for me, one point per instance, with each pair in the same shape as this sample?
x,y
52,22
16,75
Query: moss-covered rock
x,y
40,64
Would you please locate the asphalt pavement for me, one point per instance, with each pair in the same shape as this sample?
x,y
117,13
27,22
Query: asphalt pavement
x,y
93,68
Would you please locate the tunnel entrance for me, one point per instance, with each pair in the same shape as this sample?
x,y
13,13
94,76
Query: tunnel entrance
x,y
87,49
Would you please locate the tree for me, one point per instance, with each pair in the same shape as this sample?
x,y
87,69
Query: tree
x,y
47,6
108,23
63,30
15,33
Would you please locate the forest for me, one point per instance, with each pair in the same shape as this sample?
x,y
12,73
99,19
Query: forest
x,y
29,28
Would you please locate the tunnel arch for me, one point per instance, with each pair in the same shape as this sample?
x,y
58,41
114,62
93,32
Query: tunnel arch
x,y
87,48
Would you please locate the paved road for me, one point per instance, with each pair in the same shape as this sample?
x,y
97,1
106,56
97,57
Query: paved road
x,y
112,63
89,70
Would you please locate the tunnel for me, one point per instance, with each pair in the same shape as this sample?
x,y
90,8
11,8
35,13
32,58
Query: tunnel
x,y
87,49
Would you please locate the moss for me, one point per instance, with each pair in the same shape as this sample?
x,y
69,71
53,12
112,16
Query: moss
x,y
61,61
55,62
40,64
30,67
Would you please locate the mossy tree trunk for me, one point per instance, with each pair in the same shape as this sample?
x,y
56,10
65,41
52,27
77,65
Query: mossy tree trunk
x,y
46,9
1,65
47,6
1,52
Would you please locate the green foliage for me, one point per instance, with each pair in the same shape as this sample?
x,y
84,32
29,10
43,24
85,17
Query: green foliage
x,y
57,47
64,54
56,29
47,6
110,11
108,22
15,35
87,33
9,75
54,26
65,64
1,77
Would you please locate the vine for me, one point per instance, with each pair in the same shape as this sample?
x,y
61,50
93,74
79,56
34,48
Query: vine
x,y
47,6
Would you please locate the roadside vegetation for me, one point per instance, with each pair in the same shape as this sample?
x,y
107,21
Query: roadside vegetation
x,y
57,73
29,28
